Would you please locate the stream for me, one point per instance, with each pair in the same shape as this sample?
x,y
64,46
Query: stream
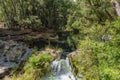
x,y
12,54
60,70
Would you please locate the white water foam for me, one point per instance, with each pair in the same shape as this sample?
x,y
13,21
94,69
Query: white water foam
x,y
60,70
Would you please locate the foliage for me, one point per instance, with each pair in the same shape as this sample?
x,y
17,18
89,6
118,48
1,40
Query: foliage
x,y
116,25
99,60
31,22
36,66
36,13
87,12
42,60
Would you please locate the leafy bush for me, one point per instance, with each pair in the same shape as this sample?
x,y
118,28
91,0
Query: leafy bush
x,y
109,63
85,61
31,21
40,61
97,61
116,25
35,67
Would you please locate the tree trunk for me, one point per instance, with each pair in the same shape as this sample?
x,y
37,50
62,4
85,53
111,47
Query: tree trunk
x,y
117,7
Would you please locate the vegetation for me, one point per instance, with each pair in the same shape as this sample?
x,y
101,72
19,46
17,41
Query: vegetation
x,y
35,67
97,61
98,57
93,26
35,13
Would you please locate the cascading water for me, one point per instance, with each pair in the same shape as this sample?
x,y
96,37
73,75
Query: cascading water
x,y
60,70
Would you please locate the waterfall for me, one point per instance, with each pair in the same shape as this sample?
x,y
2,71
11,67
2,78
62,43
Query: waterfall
x,y
60,70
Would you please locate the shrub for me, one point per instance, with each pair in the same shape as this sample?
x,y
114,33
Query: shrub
x,y
97,60
35,67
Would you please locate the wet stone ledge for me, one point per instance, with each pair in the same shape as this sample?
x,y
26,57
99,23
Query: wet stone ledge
x,y
11,55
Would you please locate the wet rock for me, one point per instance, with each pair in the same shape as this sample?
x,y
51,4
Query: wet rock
x,y
11,55
72,54
79,77
64,55
1,45
4,68
52,52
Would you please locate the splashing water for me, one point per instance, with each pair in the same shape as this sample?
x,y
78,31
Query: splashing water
x,y
60,70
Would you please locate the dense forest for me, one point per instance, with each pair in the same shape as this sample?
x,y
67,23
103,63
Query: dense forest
x,y
87,32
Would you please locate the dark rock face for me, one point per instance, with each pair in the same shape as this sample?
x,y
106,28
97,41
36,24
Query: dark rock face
x,y
64,55
11,55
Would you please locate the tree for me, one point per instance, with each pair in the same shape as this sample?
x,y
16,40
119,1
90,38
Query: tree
x,y
117,7
51,13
